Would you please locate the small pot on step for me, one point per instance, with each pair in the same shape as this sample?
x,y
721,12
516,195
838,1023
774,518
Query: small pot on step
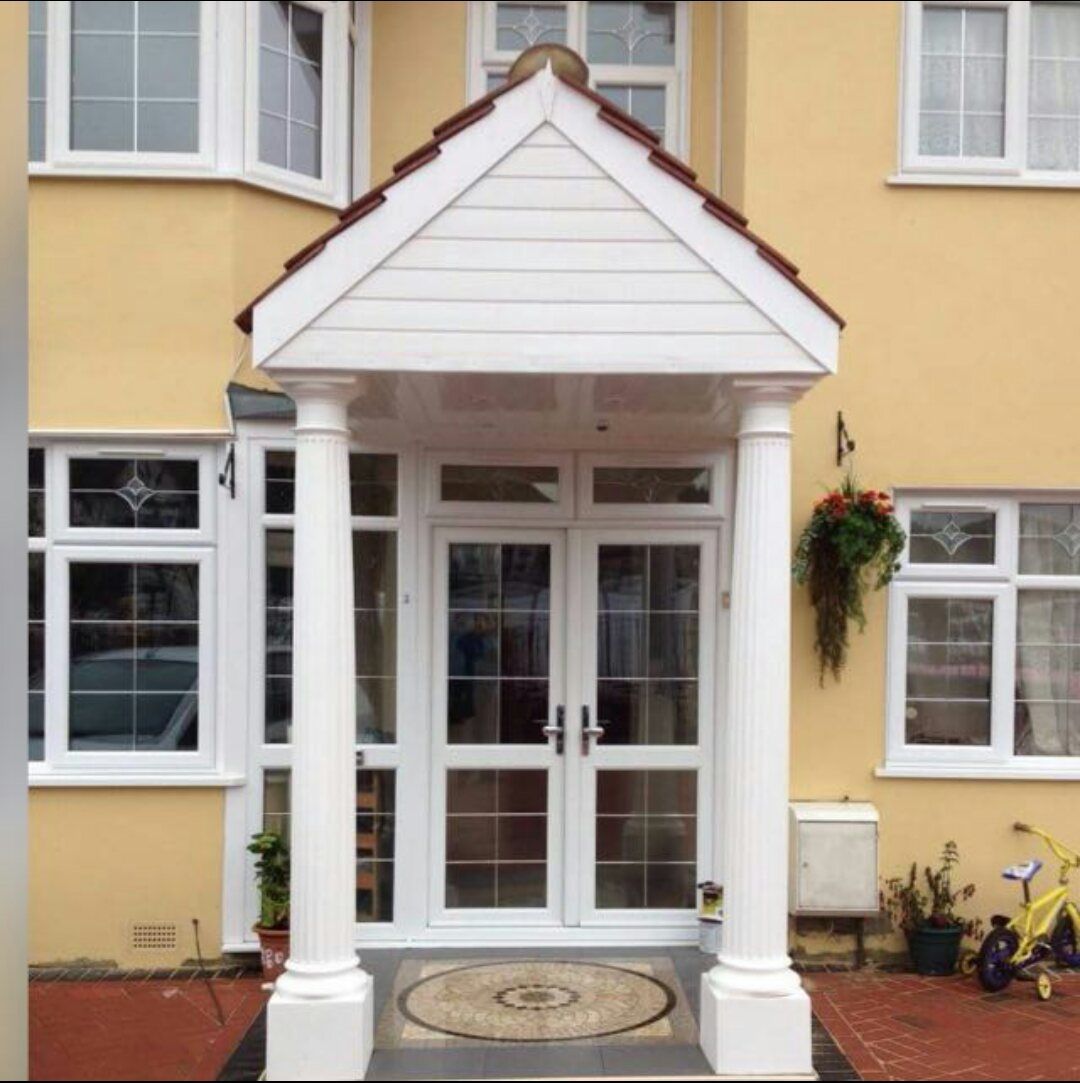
x,y
273,950
935,949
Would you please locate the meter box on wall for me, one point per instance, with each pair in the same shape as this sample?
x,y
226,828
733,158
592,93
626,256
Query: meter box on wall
x,y
834,859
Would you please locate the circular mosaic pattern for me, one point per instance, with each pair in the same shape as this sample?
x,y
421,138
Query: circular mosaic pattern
x,y
536,1000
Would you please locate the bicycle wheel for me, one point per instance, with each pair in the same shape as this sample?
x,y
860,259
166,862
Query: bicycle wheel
x,y
1063,942
994,969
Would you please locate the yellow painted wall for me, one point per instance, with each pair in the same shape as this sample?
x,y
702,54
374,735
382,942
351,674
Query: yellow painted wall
x,y
101,859
958,367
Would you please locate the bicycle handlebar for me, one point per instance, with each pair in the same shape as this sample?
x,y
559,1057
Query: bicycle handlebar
x,y
1060,851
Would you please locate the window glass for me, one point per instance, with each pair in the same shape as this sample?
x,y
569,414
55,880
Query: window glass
x,y
1047,673
376,807
36,492
134,656
37,655
375,615
630,32
1050,539
645,103
290,87
651,485
372,483
962,91
36,92
1054,89
949,653
135,76
484,484
146,494
952,537
519,26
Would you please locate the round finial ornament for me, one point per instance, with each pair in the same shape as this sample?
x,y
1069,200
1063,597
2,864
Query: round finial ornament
x,y
564,62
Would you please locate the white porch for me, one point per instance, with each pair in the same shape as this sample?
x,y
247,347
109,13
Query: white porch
x,y
542,287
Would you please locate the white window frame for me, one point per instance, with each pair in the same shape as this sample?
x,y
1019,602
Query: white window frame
x,y
1001,583
485,58
335,105
1009,170
228,107
63,545
58,108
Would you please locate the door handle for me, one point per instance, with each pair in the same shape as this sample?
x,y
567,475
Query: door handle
x,y
558,730
588,730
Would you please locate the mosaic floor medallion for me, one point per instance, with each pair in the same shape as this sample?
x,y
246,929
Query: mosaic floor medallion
x,y
535,1000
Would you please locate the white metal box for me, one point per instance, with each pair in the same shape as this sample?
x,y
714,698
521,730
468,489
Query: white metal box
x,y
834,859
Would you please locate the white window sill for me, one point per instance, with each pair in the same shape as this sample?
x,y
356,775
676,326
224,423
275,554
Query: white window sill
x,y
44,779
199,173
980,180
1015,772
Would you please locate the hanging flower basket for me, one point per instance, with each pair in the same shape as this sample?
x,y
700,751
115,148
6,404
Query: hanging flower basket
x,y
852,544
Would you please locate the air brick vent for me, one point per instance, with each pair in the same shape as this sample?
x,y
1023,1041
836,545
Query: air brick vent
x,y
153,936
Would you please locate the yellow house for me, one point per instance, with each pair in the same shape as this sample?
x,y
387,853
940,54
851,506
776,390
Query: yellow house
x,y
550,409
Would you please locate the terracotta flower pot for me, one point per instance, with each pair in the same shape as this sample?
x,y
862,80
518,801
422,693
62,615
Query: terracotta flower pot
x,y
274,950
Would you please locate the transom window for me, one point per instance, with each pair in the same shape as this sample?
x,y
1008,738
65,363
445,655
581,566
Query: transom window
x,y
635,51
993,88
984,634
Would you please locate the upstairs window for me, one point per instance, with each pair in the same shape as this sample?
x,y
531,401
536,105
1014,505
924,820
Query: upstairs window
x,y
636,51
992,90
36,79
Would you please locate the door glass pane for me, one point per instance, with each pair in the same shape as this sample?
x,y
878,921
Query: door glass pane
x,y
949,655
498,643
496,839
648,643
646,840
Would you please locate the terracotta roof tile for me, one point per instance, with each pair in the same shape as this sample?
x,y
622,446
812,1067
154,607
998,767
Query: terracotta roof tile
x,y
610,114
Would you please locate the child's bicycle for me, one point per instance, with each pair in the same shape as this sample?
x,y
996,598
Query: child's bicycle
x,y
1045,930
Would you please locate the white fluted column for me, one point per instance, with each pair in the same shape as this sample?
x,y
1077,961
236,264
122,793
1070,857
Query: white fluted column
x,y
319,1019
755,1016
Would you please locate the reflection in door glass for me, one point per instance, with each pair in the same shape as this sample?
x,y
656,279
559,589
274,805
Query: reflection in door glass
x,y
498,643
646,839
496,839
647,644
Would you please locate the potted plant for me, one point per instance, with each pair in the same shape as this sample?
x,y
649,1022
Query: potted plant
x,y
272,880
853,541
925,912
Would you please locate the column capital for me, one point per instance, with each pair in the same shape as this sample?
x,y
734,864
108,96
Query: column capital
x,y
764,404
322,401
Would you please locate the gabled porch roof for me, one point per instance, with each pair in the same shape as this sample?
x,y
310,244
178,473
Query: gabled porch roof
x,y
542,230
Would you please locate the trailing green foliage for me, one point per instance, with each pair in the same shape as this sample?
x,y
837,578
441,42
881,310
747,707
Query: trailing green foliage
x,y
853,542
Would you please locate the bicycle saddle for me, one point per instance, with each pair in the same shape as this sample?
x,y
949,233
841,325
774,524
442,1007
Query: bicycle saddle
x,y
1023,872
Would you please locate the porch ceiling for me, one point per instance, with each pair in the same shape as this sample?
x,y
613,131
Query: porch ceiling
x,y
544,410
545,233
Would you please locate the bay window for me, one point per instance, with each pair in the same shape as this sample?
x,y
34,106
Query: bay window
x,y
984,638
637,52
121,619
257,91
992,91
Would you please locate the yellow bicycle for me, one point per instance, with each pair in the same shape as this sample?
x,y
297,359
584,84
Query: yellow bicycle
x,y
1045,928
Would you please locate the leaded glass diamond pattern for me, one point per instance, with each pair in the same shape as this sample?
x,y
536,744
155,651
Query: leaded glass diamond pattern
x,y
520,26
952,537
145,494
1050,539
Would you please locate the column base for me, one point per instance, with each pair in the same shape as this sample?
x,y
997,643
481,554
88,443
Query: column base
x,y
327,1038
756,1036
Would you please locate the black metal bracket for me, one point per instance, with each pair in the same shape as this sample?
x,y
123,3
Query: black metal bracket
x,y
227,477
845,445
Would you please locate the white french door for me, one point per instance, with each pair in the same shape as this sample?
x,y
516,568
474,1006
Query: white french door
x,y
572,725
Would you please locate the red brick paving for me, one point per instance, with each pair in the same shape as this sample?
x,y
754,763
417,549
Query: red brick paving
x,y
137,1029
901,1026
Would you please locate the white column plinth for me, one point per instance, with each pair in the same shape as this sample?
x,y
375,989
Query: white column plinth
x,y
319,1019
755,1016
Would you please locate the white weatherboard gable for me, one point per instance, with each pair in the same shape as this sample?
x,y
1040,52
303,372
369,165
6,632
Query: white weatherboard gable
x,y
554,245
